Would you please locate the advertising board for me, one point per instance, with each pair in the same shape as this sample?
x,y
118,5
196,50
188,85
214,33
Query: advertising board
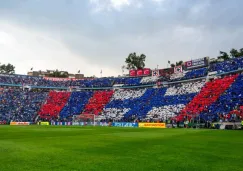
x,y
152,125
133,73
19,123
146,71
139,72
124,124
61,123
3,122
44,123
196,63
90,124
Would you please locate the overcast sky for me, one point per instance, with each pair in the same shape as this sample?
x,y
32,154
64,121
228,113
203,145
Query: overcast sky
x,y
90,35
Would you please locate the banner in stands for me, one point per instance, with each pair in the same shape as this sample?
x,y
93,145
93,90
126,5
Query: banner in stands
x,y
152,125
196,63
133,73
96,123
61,79
139,72
61,123
124,124
3,122
90,124
166,71
178,69
155,73
19,123
44,123
81,123
146,71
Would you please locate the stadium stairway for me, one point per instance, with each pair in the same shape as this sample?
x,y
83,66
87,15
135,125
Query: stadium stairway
x,y
207,96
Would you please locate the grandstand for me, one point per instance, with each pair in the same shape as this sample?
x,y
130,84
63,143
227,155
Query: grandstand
x,y
209,92
71,124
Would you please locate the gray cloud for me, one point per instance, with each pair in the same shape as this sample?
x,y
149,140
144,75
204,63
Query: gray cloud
x,y
170,30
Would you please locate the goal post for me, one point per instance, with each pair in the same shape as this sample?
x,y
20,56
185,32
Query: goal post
x,y
85,118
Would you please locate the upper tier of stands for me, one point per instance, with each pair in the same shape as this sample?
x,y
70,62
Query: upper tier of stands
x,y
227,66
195,73
20,80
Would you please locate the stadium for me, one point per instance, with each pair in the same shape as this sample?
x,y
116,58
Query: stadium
x,y
185,116
55,120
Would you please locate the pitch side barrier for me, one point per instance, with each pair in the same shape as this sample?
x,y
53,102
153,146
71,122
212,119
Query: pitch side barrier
x,y
20,123
139,125
81,123
124,124
3,123
29,123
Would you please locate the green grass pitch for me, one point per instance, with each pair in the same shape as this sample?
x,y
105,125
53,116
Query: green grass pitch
x,y
52,148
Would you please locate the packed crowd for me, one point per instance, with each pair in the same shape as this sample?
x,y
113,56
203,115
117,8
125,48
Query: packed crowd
x,y
30,80
227,66
97,102
75,104
209,100
217,97
20,105
208,95
230,100
149,80
186,75
97,82
151,103
54,104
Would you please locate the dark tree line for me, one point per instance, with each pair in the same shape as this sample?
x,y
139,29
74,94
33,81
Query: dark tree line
x,y
7,69
134,61
59,74
234,53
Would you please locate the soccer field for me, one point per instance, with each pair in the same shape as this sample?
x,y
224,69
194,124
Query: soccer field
x,y
109,148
